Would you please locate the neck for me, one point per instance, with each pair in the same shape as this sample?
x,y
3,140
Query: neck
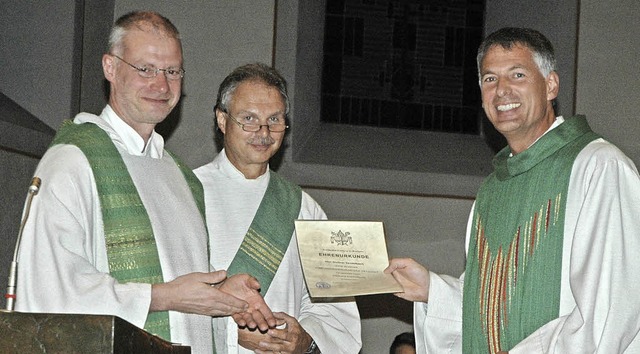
x,y
520,143
253,172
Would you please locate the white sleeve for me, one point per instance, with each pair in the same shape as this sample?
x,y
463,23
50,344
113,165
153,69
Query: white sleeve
x,y
62,261
438,324
601,278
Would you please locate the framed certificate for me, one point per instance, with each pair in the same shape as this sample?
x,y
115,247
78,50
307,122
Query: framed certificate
x,y
344,258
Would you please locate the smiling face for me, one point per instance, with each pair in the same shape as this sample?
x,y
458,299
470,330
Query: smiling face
x,y
515,96
252,102
143,102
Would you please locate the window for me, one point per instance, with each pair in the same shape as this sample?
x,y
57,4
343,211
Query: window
x,y
321,151
406,64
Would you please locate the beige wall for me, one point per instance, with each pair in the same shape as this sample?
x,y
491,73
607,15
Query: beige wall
x,y
607,79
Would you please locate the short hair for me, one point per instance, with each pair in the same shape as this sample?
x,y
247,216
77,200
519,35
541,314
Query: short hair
x,y
536,42
258,72
141,20
406,338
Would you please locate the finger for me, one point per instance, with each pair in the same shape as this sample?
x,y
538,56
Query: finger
x,y
283,318
394,264
263,316
253,283
261,319
278,334
240,321
269,318
390,268
216,277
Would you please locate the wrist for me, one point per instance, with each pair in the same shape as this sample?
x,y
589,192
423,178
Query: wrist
x,y
313,348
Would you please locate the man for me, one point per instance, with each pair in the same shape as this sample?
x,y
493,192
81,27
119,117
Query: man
x,y
251,212
104,228
554,234
403,343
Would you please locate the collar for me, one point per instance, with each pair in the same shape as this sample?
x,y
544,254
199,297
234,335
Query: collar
x,y
228,169
557,136
123,135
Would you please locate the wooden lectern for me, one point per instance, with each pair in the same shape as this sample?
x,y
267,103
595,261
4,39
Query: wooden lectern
x,y
66,333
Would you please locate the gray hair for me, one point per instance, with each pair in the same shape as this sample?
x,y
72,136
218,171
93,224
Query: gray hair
x,y
535,41
251,72
141,20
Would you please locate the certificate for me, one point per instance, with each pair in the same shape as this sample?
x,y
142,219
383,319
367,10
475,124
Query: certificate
x,y
344,258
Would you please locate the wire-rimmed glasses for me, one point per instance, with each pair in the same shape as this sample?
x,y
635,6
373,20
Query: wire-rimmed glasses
x,y
274,127
150,71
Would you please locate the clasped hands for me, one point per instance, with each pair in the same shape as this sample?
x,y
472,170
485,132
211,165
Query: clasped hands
x,y
214,294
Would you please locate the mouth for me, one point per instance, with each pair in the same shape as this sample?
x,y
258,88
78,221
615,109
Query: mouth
x,y
508,107
157,100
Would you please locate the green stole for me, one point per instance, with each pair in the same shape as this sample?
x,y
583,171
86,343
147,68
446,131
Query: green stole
x,y
270,232
514,261
131,246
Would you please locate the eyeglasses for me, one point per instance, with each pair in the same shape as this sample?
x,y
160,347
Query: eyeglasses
x,y
150,71
274,128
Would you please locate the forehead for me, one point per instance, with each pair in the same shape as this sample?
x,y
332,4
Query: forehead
x,y
152,42
257,93
498,57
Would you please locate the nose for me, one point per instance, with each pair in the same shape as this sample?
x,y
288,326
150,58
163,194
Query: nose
x,y
264,131
160,82
503,88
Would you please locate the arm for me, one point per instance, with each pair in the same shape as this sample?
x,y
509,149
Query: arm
x,y
334,325
257,314
194,293
288,337
413,277
597,314
440,328
62,260
212,294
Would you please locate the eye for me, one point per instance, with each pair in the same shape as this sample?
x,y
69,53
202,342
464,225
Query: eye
x,y
275,120
146,69
519,75
249,119
173,72
489,79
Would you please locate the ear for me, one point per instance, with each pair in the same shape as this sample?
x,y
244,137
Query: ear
x,y
108,67
553,85
221,118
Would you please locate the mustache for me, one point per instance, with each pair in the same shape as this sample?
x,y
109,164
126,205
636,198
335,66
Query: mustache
x,y
261,140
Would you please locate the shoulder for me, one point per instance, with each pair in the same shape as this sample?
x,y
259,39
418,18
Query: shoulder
x,y
64,168
64,159
283,181
205,172
601,154
601,168
310,208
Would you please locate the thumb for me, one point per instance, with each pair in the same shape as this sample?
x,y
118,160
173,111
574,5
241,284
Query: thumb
x,y
253,283
216,277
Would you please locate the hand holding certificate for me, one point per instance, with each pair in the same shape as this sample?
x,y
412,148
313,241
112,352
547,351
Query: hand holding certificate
x,y
344,258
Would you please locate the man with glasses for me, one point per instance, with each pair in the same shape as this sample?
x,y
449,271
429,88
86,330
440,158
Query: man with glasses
x,y
118,225
251,212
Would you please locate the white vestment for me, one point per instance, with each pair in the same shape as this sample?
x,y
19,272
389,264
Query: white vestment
x,y
600,282
231,202
63,265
